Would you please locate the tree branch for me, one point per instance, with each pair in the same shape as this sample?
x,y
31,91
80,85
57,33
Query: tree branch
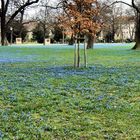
x,y
28,3
136,7
52,7
115,2
123,3
2,6
133,5
6,6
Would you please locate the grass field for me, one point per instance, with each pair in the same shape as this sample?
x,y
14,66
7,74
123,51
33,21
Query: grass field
x,y
42,97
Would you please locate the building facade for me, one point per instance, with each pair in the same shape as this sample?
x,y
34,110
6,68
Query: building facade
x,y
126,32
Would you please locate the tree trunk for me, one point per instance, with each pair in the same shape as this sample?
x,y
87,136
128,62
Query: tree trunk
x,y
3,35
44,34
78,53
44,43
21,21
113,31
75,53
90,41
85,52
63,37
137,34
3,29
71,42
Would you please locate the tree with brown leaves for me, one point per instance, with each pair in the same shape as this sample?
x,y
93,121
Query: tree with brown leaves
x,y
81,18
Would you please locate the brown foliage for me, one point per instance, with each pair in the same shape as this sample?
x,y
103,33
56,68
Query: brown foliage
x,y
81,16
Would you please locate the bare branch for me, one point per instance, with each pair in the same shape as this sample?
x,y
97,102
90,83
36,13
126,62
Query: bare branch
x,y
133,5
28,3
2,6
123,3
53,7
6,6
136,7
116,2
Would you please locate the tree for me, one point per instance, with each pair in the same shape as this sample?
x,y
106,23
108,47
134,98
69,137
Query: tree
x,y
131,20
17,26
7,16
58,34
46,18
112,19
81,18
38,33
136,6
137,33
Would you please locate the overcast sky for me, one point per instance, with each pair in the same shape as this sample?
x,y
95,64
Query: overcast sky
x,y
55,1
129,1
33,11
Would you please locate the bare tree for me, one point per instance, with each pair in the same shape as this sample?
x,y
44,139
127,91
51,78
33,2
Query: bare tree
x,y
130,22
9,10
135,4
44,17
111,16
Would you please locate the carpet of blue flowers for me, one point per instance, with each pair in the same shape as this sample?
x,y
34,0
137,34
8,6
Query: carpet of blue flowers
x,y
42,97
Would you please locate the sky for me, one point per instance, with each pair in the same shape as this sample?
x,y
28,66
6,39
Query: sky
x,y
128,1
31,12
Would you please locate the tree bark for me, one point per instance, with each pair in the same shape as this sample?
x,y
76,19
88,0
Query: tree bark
x,y
90,41
85,52
3,25
44,34
137,34
78,53
21,22
75,53
71,42
3,31
113,30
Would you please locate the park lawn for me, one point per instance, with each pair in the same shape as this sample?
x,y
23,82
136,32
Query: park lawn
x,y
42,97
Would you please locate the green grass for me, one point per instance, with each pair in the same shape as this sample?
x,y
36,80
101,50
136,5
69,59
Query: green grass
x,y
43,98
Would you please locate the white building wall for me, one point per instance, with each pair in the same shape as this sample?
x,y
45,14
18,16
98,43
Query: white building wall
x,y
127,31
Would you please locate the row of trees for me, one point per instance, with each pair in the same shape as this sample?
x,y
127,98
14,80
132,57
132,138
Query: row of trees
x,y
84,18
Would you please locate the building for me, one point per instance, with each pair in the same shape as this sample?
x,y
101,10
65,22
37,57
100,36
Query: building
x,y
126,32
